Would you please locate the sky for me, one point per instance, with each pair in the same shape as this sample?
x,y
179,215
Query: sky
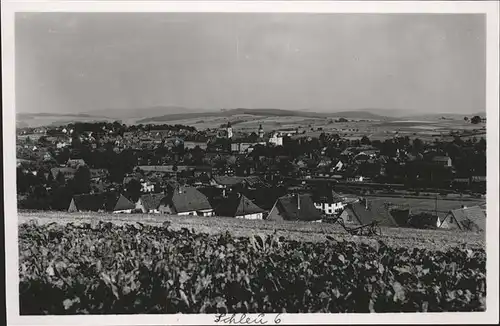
x,y
79,62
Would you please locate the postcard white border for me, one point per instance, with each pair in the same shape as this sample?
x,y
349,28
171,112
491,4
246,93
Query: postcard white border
x,y
490,8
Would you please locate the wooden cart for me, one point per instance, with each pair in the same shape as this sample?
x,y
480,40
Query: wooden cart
x,y
369,229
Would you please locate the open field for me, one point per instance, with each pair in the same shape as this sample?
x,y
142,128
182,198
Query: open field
x,y
312,124
299,231
428,204
354,129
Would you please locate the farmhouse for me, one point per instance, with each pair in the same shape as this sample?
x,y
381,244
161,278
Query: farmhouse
x,y
239,206
103,202
298,207
149,203
185,200
364,212
465,219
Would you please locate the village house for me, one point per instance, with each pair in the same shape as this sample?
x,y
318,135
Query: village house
x,y
185,200
149,203
104,202
239,206
276,139
364,212
299,207
330,203
465,219
147,186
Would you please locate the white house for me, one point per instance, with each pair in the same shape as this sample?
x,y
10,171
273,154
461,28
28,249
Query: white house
x,y
276,139
330,205
147,186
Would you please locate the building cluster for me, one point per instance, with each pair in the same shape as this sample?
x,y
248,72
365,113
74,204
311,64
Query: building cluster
x,y
279,175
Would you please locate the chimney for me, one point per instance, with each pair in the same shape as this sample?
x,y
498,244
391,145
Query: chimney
x,y
366,203
298,201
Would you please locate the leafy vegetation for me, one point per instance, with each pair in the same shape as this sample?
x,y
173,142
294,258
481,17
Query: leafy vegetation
x,y
105,268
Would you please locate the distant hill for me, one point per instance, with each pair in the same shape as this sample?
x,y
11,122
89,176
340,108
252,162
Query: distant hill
x,y
363,114
144,113
262,112
448,116
24,120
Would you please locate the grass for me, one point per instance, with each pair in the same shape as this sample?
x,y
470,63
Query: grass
x,y
301,231
428,204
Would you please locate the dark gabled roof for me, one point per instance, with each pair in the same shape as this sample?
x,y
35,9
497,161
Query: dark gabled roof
x,y
151,201
109,201
327,197
237,205
121,203
288,208
376,212
186,199
227,180
471,218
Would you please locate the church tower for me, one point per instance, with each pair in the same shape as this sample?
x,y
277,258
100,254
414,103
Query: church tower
x,y
261,132
229,130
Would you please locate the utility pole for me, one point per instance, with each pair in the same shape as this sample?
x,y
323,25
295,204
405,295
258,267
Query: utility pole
x,y
435,205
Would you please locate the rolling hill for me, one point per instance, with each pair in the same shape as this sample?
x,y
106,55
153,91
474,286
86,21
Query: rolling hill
x,y
262,112
24,120
144,113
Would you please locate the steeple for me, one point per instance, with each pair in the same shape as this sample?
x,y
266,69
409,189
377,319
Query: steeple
x,y
261,132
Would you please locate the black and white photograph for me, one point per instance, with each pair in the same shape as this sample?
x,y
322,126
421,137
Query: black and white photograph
x,y
250,166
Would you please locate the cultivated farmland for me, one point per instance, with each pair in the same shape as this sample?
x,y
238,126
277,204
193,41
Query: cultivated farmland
x,y
135,268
